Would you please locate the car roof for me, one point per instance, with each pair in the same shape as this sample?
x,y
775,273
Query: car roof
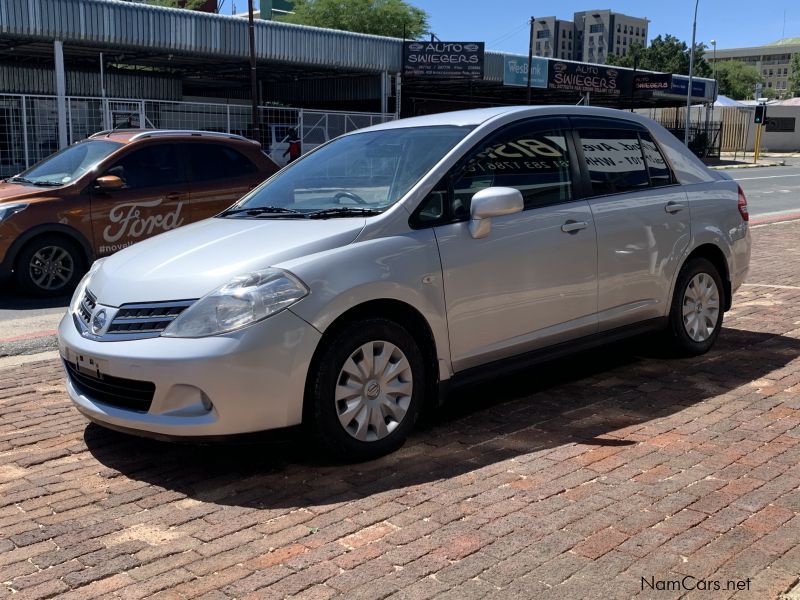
x,y
478,116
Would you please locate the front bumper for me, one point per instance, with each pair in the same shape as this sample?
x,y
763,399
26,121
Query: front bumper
x,y
247,381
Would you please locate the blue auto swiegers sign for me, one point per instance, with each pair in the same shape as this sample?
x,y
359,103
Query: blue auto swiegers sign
x,y
462,60
515,71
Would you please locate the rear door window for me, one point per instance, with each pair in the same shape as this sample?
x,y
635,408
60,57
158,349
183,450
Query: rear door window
x,y
614,161
208,162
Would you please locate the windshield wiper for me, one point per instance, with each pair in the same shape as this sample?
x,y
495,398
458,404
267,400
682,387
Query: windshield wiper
x,y
343,211
18,179
262,210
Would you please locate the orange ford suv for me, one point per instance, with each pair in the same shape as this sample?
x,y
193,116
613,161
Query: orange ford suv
x,y
112,190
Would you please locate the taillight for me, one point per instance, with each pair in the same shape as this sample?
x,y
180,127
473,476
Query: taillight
x,y
743,205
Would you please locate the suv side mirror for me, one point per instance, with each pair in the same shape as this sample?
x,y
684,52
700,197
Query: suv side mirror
x,y
492,202
108,183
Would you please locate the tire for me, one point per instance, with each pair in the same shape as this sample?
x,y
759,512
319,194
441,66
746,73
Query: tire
x,y
49,266
349,426
700,294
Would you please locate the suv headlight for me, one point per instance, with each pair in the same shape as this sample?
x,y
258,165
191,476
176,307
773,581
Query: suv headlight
x,y
8,210
244,300
77,296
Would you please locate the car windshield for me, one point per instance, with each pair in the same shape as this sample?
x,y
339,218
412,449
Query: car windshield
x,y
68,164
356,174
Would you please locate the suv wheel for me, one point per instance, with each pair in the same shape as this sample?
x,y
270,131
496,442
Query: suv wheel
x,y
368,388
49,266
697,308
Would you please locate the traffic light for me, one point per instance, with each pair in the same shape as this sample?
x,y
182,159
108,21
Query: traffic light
x,y
761,114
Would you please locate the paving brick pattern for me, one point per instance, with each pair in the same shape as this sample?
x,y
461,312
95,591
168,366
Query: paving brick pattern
x,y
575,479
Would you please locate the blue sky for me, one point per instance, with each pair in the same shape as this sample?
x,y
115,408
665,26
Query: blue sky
x,y
502,23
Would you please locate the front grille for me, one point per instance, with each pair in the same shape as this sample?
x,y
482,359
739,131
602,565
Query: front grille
x,y
129,394
150,318
86,307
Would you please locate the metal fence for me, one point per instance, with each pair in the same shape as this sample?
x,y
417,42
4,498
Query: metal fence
x,y
29,123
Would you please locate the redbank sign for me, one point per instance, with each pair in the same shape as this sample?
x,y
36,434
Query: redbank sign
x,y
443,59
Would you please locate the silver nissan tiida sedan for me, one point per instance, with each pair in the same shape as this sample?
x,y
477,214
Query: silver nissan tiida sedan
x,y
356,284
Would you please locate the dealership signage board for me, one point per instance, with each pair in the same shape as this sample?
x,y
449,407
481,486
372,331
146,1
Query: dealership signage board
x,y
580,77
515,71
652,82
680,85
455,60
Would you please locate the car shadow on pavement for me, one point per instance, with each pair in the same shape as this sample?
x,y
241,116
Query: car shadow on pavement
x,y
588,398
12,299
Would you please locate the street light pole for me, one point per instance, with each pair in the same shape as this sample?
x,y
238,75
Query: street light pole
x,y
691,73
714,77
530,61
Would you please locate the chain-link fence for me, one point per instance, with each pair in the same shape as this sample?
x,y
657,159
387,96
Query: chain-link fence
x,y
29,123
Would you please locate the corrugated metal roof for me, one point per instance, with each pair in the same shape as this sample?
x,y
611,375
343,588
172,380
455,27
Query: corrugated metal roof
x,y
130,25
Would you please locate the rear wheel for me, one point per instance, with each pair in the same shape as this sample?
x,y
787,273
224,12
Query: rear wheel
x,y
48,266
368,388
697,308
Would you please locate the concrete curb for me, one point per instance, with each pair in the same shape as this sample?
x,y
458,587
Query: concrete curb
x,y
748,166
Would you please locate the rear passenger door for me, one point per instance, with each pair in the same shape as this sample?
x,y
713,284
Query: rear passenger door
x,y
641,216
218,176
532,281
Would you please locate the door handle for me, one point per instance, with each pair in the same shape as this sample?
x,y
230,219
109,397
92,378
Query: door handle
x,y
574,226
673,207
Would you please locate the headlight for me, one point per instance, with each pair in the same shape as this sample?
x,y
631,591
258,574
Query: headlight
x,y
7,210
243,301
82,285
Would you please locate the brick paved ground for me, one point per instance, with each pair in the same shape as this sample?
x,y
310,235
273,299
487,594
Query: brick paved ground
x,y
572,480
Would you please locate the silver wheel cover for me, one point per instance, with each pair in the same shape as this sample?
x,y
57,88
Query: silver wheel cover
x,y
51,268
373,391
700,307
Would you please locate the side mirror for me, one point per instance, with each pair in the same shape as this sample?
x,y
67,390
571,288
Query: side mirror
x,y
109,183
492,202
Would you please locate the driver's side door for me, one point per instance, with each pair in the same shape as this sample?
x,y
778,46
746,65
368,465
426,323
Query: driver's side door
x,y
152,200
533,280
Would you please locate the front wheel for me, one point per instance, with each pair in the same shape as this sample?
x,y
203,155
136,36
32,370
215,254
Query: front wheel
x,y
48,266
697,308
367,390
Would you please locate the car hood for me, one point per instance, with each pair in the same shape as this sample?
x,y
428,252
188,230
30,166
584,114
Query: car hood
x,y
11,192
194,260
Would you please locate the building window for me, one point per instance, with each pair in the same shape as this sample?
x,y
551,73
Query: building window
x,y
619,28
543,34
570,35
618,42
769,85
637,31
596,28
625,42
624,50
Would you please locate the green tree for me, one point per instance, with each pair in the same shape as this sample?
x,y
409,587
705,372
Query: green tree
x,y
667,54
736,79
379,17
794,75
